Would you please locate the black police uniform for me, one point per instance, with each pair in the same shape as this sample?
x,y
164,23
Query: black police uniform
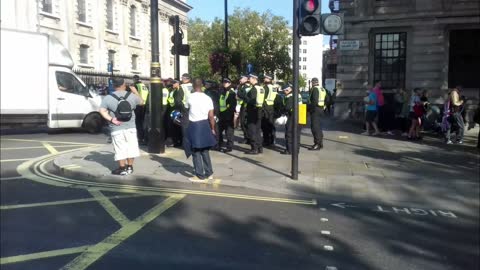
x,y
242,94
254,121
226,117
212,92
316,113
268,120
177,135
289,125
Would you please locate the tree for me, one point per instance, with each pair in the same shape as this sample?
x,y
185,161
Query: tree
x,y
259,39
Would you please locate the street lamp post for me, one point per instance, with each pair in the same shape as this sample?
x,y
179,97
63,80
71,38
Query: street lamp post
x,y
226,35
156,136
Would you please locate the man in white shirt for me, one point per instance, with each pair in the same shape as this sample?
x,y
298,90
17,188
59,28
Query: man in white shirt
x,y
200,132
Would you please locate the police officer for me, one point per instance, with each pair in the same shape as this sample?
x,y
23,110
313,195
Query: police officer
x,y
317,107
243,88
176,102
268,119
140,110
288,110
186,84
255,99
227,104
211,90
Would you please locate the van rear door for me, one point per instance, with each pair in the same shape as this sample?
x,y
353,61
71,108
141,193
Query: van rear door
x,y
71,97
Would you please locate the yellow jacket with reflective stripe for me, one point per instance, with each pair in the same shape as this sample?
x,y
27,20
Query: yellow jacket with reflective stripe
x,y
142,90
260,96
165,96
272,94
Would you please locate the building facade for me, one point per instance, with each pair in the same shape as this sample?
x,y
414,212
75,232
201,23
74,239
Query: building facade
x,y
429,44
97,32
310,57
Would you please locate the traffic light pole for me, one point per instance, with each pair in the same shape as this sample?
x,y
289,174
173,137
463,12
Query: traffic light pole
x,y
178,41
156,134
296,45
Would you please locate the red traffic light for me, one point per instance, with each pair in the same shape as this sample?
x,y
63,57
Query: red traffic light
x,y
310,5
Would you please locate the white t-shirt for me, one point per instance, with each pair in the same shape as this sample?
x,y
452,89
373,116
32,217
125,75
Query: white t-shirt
x,y
199,105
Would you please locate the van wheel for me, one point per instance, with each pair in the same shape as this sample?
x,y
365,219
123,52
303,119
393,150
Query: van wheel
x,y
93,123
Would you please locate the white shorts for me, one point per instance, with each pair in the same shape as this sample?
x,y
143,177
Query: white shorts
x,y
125,144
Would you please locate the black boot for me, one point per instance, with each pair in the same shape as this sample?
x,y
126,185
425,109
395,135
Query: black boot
x,y
252,151
316,147
285,152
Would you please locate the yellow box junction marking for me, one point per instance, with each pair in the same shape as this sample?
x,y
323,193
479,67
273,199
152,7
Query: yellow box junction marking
x,y
36,147
42,141
29,205
110,207
42,255
13,160
95,252
50,148
11,178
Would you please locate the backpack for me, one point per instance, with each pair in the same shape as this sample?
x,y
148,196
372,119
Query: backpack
x,y
124,108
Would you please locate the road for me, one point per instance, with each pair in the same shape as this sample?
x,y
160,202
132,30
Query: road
x,y
70,226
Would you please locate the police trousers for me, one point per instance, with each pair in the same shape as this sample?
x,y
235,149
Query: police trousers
x,y
254,126
316,125
289,134
226,125
139,122
268,126
243,121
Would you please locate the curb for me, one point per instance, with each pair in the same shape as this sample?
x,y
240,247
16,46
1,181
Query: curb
x,y
284,186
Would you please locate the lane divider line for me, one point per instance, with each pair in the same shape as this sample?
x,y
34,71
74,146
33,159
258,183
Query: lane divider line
x,y
11,178
13,160
30,205
42,255
111,209
50,148
42,141
95,252
35,147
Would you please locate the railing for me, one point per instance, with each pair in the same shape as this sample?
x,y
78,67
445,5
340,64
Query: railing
x,y
98,80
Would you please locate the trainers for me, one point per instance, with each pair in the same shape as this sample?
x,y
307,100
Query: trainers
x,y
119,171
129,169
460,142
195,179
390,133
449,142
210,177
365,133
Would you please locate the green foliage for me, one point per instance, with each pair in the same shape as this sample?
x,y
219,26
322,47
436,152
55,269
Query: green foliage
x,y
259,39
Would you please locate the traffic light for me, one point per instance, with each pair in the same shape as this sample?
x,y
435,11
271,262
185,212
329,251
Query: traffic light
x,y
183,49
310,18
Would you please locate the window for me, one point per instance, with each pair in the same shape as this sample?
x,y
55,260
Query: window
x,y
110,14
47,6
82,11
68,83
84,54
304,59
390,59
134,62
304,67
111,56
304,50
304,42
133,24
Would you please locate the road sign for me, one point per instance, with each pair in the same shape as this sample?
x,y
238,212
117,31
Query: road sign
x,y
249,68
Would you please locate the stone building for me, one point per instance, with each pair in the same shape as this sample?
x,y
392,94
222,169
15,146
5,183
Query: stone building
x,y
430,44
97,32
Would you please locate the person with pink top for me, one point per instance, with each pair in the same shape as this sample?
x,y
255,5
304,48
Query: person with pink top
x,y
380,104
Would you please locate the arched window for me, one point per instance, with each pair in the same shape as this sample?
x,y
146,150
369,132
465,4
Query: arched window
x,y
133,24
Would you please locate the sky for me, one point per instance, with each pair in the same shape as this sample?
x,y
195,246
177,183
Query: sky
x,y
209,9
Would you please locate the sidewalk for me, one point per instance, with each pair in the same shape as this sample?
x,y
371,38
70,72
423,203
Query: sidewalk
x,y
350,165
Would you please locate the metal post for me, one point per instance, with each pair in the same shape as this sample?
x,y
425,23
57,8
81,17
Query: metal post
x,y
296,45
156,135
178,41
226,35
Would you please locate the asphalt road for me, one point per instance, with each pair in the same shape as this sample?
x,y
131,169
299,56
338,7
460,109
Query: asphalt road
x,y
74,227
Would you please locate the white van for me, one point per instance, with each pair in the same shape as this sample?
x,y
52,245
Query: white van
x,y
39,87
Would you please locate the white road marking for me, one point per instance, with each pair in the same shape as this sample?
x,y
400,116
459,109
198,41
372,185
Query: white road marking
x,y
329,248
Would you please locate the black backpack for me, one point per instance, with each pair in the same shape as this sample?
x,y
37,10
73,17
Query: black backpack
x,y
124,109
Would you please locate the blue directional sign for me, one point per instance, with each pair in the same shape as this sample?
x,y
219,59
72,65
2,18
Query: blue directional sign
x,y
249,68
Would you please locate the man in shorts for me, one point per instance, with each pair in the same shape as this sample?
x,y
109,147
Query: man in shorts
x,y
124,133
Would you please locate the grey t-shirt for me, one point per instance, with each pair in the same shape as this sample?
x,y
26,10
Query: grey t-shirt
x,y
110,103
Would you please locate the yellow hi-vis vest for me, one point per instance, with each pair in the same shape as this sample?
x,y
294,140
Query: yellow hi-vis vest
x,y
142,90
322,94
187,90
247,87
260,96
223,102
272,94
170,99
165,96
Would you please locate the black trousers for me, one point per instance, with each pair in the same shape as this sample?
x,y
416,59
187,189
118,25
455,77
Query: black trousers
x,y
268,126
254,126
243,122
289,134
226,125
139,122
316,125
